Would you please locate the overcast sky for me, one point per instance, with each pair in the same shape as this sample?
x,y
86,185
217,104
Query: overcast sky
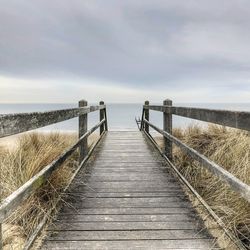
x,y
124,51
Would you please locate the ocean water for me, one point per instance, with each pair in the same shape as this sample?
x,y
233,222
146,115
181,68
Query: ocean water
x,y
120,116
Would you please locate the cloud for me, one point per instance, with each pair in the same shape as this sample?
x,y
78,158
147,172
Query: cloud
x,y
138,45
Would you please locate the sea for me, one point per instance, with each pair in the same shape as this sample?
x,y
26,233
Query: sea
x,y
121,116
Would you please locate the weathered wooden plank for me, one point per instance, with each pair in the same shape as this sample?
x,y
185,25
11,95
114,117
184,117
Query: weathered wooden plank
x,y
236,184
234,119
123,211
134,160
129,164
126,194
125,218
128,200
77,205
138,143
129,235
198,244
132,153
11,124
121,136
124,150
126,159
87,188
128,185
103,177
121,171
107,225
126,176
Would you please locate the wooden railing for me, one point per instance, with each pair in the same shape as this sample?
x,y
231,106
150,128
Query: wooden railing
x,y
234,119
11,124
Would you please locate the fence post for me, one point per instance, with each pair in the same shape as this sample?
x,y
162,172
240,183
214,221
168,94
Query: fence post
x,y
83,128
102,116
167,126
146,115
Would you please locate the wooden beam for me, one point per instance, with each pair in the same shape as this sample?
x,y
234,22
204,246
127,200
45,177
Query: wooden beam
x,y
234,119
236,184
11,124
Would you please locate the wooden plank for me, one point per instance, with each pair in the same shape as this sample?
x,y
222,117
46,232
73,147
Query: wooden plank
x,y
107,225
121,171
129,235
11,124
126,160
127,154
122,211
129,200
126,194
128,164
87,188
122,151
128,185
197,244
95,175
125,177
123,157
234,119
125,218
77,205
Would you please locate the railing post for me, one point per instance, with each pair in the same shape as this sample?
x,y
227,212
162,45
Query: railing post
x,y
102,116
146,115
106,119
83,128
167,126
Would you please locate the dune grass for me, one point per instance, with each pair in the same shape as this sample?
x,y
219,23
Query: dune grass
x,y
230,148
17,165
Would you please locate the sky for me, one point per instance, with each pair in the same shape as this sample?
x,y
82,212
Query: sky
x,y
124,51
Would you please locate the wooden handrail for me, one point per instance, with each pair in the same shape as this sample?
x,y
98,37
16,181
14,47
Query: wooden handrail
x,y
234,119
11,124
8,205
236,184
14,200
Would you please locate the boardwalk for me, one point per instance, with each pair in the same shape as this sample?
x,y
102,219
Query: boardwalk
x,y
127,198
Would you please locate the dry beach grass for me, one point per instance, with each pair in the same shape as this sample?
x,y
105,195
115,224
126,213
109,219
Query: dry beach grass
x,y
230,148
18,163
